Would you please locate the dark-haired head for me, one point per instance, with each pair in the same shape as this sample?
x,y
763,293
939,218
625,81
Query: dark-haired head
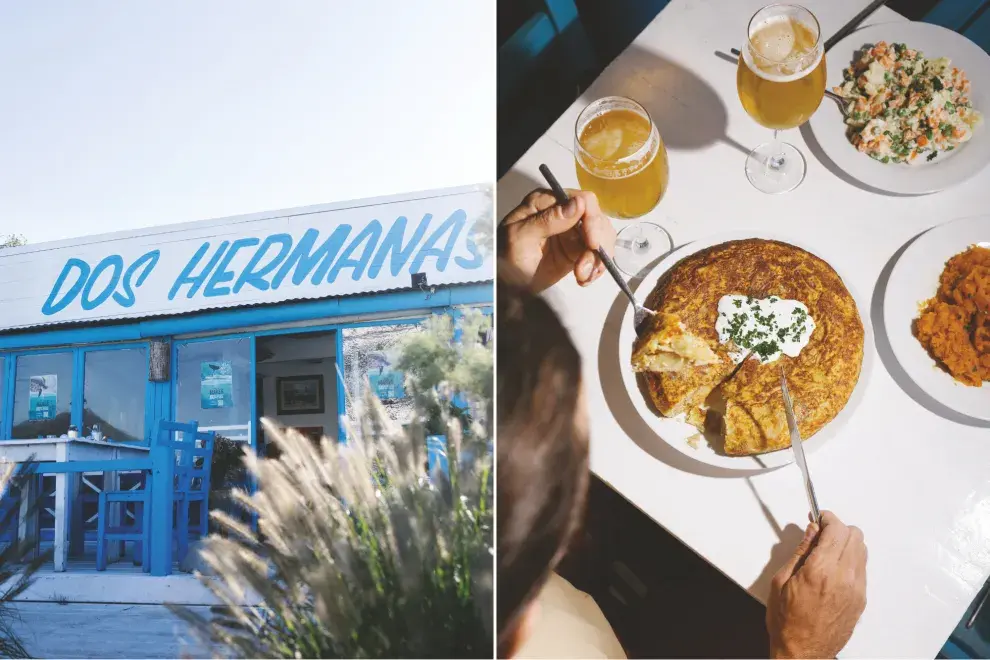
x,y
542,449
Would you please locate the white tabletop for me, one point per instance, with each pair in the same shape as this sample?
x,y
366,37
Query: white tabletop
x,y
916,479
79,449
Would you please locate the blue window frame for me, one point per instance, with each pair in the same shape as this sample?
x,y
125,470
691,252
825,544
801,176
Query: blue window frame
x,y
43,394
74,386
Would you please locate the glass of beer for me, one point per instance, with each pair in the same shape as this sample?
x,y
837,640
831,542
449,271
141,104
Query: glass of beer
x,y
781,81
620,157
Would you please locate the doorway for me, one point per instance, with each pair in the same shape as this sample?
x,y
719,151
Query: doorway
x,y
297,385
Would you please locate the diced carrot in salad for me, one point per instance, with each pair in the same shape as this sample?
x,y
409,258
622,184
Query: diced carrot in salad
x,y
901,105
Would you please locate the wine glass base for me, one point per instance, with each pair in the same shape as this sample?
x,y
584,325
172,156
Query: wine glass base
x,y
640,244
775,180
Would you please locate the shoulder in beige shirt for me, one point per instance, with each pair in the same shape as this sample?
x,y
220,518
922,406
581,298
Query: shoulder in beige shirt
x,y
569,624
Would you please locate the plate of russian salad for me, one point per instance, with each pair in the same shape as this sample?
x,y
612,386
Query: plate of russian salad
x,y
911,118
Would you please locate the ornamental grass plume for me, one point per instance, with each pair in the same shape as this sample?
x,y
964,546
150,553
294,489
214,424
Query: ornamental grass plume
x,y
17,567
359,554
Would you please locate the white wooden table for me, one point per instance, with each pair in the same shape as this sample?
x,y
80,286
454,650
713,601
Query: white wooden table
x,y
913,476
66,485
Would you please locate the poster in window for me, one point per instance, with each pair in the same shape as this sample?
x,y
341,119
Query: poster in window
x,y
216,385
388,385
43,397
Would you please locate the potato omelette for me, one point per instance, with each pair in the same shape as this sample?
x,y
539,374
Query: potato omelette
x,y
954,326
821,377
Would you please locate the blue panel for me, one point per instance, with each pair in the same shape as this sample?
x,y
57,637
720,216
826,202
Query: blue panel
x,y
338,361
232,319
520,54
436,454
78,391
979,31
8,397
159,407
163,458
66,467
563,13
950,650
253,429
529,41
90,334
477,294
953,14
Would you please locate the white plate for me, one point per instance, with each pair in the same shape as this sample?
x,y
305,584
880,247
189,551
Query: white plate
x,y
676,433
914,280
948,168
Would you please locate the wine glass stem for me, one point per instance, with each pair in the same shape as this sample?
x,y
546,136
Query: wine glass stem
x,y
776,160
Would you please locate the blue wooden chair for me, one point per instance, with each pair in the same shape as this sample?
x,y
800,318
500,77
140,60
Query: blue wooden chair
x,y
192,485
553,24
139,532
972,641
545,62
970,18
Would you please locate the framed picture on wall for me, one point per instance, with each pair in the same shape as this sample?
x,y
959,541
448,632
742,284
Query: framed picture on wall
x,y
299,395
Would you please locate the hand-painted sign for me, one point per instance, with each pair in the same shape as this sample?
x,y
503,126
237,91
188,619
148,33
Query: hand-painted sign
x,y
387,385
43,397
358,247
216,385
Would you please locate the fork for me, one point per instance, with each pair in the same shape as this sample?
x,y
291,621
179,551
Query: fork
x,y
640,313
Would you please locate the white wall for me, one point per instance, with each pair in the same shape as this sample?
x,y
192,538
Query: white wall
x,y
295,356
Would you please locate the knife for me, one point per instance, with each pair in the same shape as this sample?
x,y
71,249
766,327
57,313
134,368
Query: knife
x,y
798,447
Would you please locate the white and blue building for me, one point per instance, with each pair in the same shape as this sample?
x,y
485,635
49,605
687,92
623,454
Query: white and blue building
x,y
274,314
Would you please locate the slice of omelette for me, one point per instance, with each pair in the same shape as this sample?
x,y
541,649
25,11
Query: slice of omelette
x,y
666,345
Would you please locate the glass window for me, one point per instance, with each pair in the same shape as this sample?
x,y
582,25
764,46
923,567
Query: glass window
x,y
214,386
42,395
369,354
113,393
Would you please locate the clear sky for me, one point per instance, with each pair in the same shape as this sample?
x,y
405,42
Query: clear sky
x,y
120,114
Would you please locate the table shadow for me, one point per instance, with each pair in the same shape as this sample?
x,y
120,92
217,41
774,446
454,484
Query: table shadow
x,y
659,84
888,358
816,150
619,399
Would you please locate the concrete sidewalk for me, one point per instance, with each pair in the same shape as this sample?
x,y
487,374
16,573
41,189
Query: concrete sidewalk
x,y
85,630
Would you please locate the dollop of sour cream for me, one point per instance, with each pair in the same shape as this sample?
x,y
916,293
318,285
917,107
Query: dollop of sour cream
x,y
770,327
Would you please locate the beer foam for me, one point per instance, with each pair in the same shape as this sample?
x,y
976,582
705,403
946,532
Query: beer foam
x,y
784,50
775,40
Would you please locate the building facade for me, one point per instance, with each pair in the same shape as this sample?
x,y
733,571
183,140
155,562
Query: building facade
x,y
226,321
